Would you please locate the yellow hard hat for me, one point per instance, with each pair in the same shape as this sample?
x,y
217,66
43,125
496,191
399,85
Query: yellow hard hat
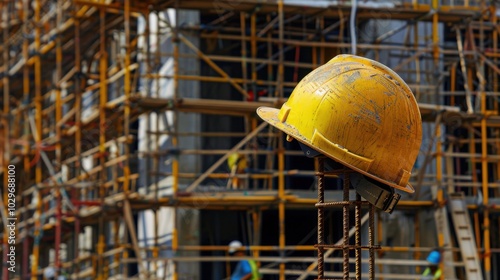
x,y
358,112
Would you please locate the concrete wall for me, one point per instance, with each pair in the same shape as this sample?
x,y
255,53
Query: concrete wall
x,y
187,220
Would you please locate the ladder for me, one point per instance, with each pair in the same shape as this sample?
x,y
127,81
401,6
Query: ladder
x,y
444,233
465,236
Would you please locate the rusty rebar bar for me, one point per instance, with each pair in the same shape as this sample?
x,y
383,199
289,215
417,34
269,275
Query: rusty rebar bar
x,y
321,200
345,251
346,204
357,235
371,238
340,203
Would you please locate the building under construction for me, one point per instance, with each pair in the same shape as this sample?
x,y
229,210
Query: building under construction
x,y
121,121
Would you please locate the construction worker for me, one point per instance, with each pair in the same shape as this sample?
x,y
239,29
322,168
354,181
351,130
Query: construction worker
x,y
433,270
245,269
237,163
50,272
361,114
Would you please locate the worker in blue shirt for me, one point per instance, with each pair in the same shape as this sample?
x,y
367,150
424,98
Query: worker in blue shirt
x,y
245,269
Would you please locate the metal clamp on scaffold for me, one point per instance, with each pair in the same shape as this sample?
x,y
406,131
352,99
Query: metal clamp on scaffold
x,y
382,196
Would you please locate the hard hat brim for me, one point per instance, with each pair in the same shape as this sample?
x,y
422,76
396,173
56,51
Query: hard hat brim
x,y
270,115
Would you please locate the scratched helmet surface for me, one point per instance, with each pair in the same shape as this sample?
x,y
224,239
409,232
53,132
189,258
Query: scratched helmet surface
x,y
358,112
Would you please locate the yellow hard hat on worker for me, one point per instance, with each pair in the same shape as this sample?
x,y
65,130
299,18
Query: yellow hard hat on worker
x,y
358,112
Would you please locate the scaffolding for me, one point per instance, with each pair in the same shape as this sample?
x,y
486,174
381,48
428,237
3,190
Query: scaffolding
x,y
120,113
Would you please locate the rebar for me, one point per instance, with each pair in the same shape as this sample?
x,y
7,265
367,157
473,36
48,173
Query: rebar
x,y
357,236
321,200
371,238
345,215
346,204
